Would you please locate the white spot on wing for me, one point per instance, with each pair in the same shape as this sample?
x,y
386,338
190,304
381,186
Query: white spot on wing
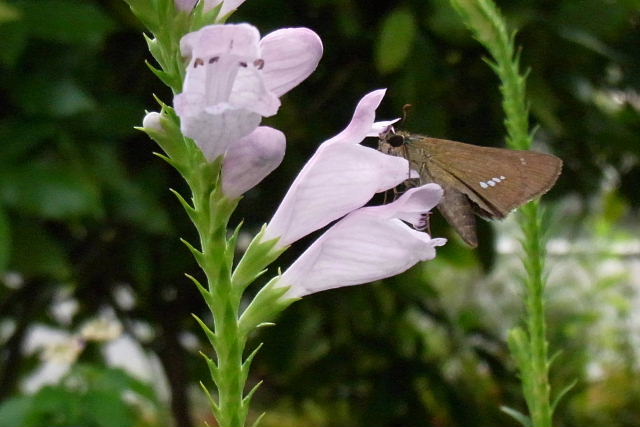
x,y
492,182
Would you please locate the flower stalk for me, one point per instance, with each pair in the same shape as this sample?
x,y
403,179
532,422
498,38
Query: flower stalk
x,y
210,210
225,78
530,347
210,215
212,202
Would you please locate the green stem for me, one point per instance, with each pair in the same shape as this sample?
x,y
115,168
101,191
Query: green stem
x,y
211,212
530,350
537,382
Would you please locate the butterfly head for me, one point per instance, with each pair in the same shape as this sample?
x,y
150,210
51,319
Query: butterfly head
x,y
392,142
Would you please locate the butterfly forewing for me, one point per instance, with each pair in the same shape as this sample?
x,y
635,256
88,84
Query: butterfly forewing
x,y
498,180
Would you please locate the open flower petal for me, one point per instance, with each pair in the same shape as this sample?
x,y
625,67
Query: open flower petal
x,y
249,160
413,205
214,128
223,68
362,122
225,92
381,126
240,40
289,55
340,177
369,244
249,92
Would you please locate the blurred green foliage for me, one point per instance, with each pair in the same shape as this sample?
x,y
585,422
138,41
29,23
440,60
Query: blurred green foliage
x,y
87,396
85,211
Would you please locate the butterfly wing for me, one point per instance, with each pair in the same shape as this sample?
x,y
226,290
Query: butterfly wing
x,y
455,206
498,180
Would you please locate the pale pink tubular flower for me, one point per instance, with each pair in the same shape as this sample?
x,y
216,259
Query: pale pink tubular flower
x,y
227,5
234,79
369,244
341,176
186,5
249,160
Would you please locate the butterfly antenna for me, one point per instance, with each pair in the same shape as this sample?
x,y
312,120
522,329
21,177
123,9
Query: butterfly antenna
x,y
405,113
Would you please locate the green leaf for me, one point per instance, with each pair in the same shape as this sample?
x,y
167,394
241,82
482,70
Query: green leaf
x,y
114,379
519,416
66,21
125,110
146,11
445,22
268,303
21,137
57,97
8,12
107,408
100,402
53,406
13,411
610,22
131,199
256,258
562,393
13,40
49,190
395,41
36,253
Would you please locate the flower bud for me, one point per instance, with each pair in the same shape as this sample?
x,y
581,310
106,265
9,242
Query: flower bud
x,y
152,121
165,131
249,160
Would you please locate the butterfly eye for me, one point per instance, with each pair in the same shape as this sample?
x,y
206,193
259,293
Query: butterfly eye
x,y
396,140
